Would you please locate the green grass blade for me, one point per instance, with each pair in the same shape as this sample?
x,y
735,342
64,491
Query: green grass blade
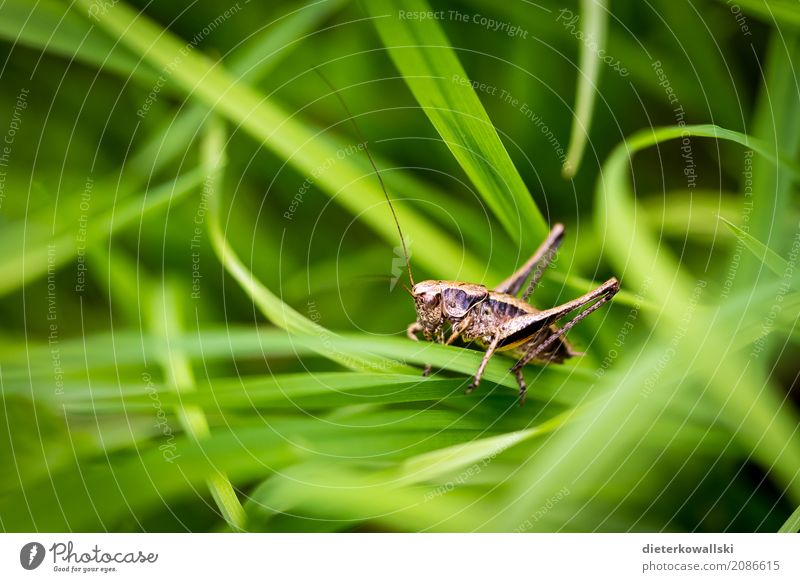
x,y
638,251
51,27
431,465
773,11
746,398
268,303
747,395
440,85
776,121
249,62
763,253
792,524
32,255
301,145
178,371
594,22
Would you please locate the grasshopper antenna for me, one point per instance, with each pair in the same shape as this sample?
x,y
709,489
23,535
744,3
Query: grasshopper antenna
x,y
374,167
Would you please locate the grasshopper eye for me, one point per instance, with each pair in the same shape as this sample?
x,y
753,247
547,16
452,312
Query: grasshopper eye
x,y
430,299
427,299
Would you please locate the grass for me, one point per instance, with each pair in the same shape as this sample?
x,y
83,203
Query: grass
x,y
200,326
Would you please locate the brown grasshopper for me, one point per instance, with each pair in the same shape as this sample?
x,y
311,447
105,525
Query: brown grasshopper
x,y
497,320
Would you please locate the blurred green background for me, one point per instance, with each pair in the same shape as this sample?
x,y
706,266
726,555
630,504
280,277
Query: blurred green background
x,y
201,323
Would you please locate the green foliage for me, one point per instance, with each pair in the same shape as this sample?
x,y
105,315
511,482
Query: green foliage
x,y
203,327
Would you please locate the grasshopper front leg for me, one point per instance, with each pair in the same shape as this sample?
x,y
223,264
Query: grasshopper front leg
x,y
486,357
411,331
459,329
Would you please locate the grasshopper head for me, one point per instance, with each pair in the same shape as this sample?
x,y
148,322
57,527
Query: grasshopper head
x,y
437,301
428,302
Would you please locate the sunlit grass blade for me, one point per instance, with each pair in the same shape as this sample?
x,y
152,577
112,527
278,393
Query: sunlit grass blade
x,y
353,496
563,384
773,11
763,253
249,62
792,524
178,371
594,22
301,145
435,76
319,391
749,398
165,319
636,396
643,257
688,212
135,485
776,121
268,303
436,463
50,26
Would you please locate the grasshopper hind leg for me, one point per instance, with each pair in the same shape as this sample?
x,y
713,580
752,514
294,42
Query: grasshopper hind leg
x,y
594,299
523,387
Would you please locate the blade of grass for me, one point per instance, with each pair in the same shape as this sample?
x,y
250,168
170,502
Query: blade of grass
x,y
268,303
165,319
282,391
763,253
594,22
636,249
431,465
178,371
115,282
353,495
792,524
776,122
51,27
303,147
686,212
558,384
32,259
747,400
249,62
440,85
751,400
782,12
130,485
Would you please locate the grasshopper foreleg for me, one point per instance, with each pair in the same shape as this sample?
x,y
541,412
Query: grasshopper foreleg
x,y
411,331
486,357
459,329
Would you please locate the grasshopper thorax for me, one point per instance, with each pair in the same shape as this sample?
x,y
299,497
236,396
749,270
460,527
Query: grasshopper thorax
x,y
440,301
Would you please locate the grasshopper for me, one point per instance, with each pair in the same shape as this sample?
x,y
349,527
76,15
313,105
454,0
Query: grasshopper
x,y
496,320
